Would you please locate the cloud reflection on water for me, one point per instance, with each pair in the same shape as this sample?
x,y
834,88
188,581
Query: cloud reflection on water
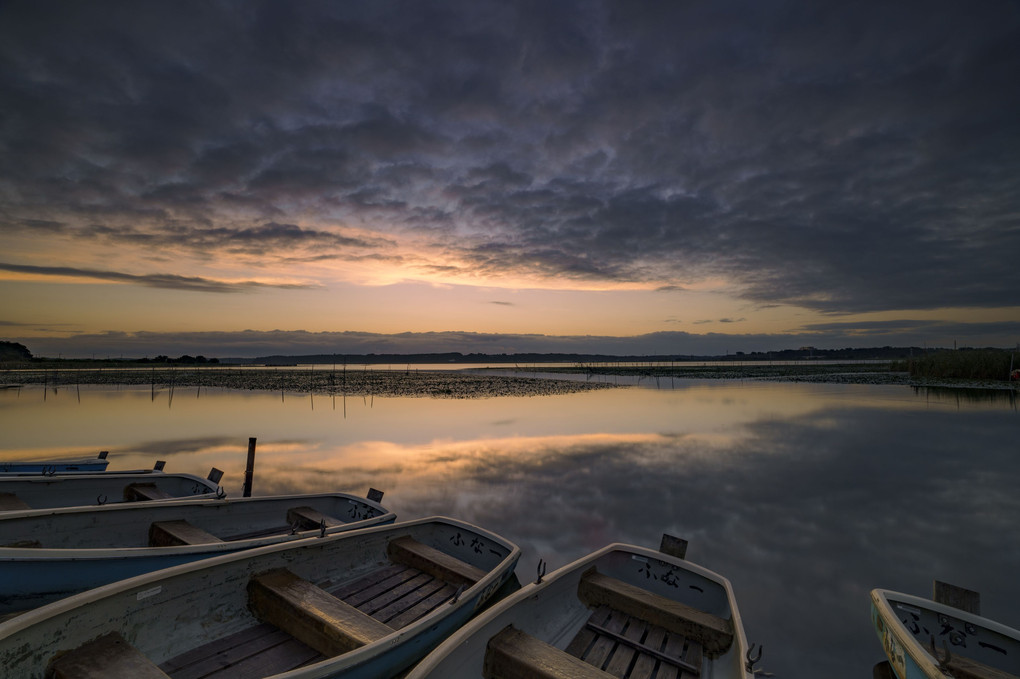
x,y
805,496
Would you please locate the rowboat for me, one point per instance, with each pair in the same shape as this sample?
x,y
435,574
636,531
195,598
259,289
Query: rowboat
x,y
73,490
47,554
623,611
59,466
925,639
363,604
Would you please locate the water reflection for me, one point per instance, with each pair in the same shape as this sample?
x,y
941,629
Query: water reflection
x,y
805,496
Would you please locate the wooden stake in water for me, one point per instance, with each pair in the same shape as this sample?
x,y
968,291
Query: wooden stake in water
x,y
249,469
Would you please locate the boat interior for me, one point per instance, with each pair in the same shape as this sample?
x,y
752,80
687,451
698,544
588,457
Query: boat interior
x,y
298,622
632,633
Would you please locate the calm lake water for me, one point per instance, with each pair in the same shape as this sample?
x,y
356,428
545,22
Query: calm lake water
x,y
806,496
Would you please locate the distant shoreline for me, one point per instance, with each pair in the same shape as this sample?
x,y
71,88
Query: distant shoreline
x,y
495,380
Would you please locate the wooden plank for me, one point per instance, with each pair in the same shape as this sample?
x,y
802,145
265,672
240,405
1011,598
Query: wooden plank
x,y
673,546
393,585
106,657
178,532
423,607
11,502
582,641
385,599
308,518
410,552
279,658
958,597
261,635
963,667
692,659
673,657
372,579
645,665
310,614
513,654
137,492
713,632
409,601
626,653
604,644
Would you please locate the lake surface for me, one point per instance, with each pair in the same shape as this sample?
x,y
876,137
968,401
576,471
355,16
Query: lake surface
x,y
806,496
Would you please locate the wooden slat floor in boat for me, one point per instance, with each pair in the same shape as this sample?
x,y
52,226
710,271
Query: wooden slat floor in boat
x,y
396,595
642,652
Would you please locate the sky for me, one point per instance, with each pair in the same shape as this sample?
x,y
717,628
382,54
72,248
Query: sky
x,y
248,178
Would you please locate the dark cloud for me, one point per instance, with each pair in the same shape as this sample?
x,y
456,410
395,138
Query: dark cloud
x,y
844,158
168,281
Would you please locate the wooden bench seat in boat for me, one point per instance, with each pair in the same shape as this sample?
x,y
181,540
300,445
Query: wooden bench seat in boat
x,y
963,667
409,552
108,657
715,634
11,502
310,614
307,518
513,654
178,532
394,594
136,492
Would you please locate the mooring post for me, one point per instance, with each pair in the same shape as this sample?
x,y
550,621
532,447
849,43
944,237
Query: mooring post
x,y
249,470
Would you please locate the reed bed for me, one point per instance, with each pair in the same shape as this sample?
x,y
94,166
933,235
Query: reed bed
x,y
438,384
964,364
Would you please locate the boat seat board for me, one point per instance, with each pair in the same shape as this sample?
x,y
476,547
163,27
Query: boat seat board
x,y
107,657
513,654
377,593
310,614
963,667
628,647
11,502
308,518
715,634
178,532
409,552
136,492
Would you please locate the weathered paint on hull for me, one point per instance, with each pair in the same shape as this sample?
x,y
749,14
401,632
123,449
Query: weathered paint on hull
x,y
902,664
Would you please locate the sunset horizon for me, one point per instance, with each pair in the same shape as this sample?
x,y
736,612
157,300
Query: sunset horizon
x,y
232,180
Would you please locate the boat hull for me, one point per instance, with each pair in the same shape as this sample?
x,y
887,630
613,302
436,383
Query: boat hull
x,y
89,464
907,625
552,611
81,548
168,613
77,490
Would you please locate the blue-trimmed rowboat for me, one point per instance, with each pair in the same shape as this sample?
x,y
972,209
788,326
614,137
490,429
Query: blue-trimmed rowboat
x,y
624,611
46,555
61,466
924,639
364,604
19,492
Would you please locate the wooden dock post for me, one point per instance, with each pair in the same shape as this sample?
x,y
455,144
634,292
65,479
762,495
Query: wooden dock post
x,y
249,470
673,546
965,599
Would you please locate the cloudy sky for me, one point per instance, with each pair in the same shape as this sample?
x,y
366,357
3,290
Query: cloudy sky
x,y
246,177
